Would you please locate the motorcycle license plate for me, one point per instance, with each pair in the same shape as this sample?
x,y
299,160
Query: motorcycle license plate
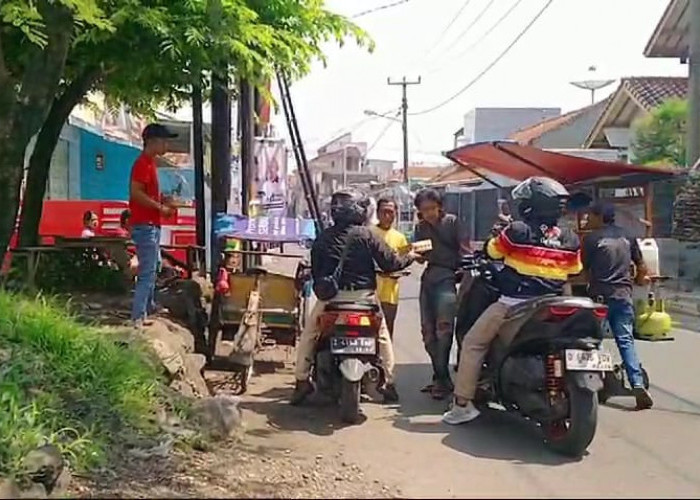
x,y
353,345
593,361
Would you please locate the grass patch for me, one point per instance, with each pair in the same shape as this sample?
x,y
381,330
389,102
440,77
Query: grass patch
x,y
68,384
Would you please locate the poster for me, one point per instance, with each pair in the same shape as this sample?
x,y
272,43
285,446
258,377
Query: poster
x,y
269,187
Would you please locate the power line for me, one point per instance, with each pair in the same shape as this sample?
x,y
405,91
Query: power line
x,y
436,69
380,8
471,25
442,34
380,136
491,65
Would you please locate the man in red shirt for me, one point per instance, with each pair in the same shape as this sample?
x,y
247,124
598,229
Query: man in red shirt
x,y
147,207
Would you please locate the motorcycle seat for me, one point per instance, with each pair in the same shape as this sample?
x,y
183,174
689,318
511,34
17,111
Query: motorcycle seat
x,y
345,306
528,305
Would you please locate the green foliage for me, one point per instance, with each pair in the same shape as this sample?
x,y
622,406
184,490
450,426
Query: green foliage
x,y
660,137
67,384
70,270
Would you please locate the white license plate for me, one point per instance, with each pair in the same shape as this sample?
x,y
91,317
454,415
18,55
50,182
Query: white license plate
x,y
353,345
594,361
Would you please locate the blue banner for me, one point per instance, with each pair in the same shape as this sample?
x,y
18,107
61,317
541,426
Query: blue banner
x,y
266,228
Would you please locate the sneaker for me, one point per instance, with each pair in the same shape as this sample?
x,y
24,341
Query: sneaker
x,y
302,389
644,401
390,394
137,324
460,414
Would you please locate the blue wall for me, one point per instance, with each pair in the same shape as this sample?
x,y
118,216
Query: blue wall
x,y
112,182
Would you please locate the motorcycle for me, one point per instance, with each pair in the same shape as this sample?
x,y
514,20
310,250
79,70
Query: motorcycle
x,y
346,363
552,369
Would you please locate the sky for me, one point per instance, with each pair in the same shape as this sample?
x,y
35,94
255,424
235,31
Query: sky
x,y
412,40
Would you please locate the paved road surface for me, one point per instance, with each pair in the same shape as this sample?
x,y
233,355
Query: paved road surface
x,y
634,454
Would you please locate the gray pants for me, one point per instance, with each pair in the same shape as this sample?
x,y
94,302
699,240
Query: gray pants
x,y
438,303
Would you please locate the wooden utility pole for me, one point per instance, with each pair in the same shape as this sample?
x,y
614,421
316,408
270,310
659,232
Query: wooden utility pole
x,y
404,121
693,149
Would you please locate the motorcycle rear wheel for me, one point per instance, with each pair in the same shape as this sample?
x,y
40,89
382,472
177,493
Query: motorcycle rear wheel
x,y
572,436
350,393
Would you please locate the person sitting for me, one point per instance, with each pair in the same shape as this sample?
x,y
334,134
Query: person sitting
x,y
538,258
90,222
349,249
124,229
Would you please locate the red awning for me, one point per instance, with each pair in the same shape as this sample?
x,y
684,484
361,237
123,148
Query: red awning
x,y
518,162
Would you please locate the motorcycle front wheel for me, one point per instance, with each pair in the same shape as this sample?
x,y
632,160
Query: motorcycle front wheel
x,y
572,435
350,393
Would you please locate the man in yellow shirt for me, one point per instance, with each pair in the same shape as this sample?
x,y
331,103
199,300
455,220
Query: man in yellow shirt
x,y
388,288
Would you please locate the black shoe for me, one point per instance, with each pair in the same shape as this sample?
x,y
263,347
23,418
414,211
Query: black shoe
x,y
302,389
644,401
390,394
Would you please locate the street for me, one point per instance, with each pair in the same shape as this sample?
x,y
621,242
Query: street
x,y
634,454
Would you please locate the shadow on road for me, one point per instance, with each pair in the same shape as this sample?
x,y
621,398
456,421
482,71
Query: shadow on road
x,y
496,435
315,416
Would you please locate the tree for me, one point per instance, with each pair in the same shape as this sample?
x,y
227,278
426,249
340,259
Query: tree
x,y
142,53
660,137
33,56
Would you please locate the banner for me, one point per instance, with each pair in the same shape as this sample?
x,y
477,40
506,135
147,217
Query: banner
x,y
274,229
269,187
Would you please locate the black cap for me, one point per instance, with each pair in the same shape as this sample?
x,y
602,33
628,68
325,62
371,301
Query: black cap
x,y
157,131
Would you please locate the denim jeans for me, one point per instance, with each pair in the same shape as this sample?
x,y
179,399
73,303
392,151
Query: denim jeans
x,y
621,319
438,304
147,241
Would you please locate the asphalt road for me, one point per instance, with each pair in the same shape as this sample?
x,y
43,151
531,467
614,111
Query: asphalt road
x,y
655,453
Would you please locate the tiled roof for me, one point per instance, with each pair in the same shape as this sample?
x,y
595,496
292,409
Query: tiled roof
x,y
528,135
651,91
646,91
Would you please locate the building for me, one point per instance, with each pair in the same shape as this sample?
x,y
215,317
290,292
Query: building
x,y
634,98
343,162
495,124
567,131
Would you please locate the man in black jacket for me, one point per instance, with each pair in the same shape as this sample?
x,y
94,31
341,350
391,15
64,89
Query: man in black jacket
x,y
350,237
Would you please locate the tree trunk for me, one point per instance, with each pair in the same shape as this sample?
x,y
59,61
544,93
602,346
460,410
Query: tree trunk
x,y
11,163
40,161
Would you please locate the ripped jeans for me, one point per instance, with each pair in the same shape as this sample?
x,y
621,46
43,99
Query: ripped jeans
x,y
438,304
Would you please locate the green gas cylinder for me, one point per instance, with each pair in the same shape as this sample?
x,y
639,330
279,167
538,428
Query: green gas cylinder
x,y
653,322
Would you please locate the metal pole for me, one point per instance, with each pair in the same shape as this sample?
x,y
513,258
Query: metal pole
x,y
221,153
404,122
693,150
198,159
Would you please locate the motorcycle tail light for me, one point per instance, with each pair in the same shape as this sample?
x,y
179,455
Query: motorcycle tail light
x,y
561,312
600,312
353,320
351,333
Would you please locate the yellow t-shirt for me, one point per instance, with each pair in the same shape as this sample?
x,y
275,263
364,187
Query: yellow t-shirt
x,y
388,288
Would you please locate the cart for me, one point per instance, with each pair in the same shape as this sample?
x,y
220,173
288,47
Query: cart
x,y
265,306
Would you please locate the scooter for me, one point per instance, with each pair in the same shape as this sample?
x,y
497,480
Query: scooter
x,y
347,363
552,369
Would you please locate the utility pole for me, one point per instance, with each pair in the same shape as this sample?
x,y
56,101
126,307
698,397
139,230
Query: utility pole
x,y
404,111
198,156
693,150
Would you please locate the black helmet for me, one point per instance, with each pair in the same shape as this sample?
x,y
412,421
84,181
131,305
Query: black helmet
x,y
349,207
540,199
